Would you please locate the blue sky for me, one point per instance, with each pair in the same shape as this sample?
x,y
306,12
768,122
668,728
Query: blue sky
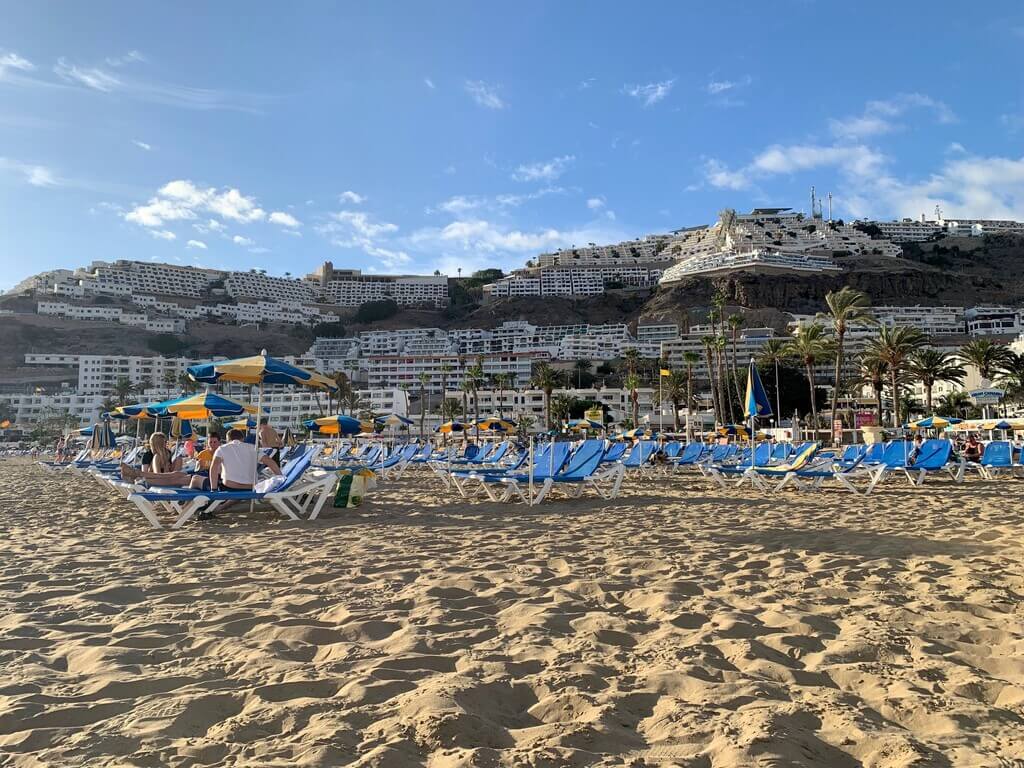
x,y
408,137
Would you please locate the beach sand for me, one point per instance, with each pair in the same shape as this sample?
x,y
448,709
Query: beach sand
x,y
675,626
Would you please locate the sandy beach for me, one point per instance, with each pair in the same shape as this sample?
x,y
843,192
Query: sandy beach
x,y
675,626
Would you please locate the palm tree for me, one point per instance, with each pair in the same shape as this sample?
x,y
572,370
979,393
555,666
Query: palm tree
x,y
560,407
1011,377
773,352
845,306
525,421
580,368
809,344
708,342
691,359
894,346
475,377
169,379
546,378
873,372
723,379
631,359
445,369
355,403
502,381
465,386
449,409
123,389
987,356
187,384
633,385
954,404
424,379
931,365
735,322
341,381
676,389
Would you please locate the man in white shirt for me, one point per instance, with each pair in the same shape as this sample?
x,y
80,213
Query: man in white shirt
x,y
234,464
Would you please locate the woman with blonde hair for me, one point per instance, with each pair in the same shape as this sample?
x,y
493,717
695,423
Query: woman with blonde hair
x,y
158,468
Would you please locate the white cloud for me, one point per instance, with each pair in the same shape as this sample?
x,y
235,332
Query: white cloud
x,y
348,196
284,219
651,93
357,229
142,145
359,225
35,175
449,170
475,236
196,244
879,116
239,240
129,58
585,84
716,87
162,234
485,95
543,171
10,60
595,203
181,199
104,81
610,215
461,204
429,83
855,161
259,249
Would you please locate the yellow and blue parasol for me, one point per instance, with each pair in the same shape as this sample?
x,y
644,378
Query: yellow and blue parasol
x,y
336,425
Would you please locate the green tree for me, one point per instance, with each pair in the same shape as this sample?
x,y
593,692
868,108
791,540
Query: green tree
x,y
170,378
774,353
894,346
502,381
561,405
355,403
546,379
931,365
465,387
423,379
845,306
709,342
873,373
633,385
690,359
449,409
735,323
581,373
677,389
445,370
123,389
957,404
985,355
809,344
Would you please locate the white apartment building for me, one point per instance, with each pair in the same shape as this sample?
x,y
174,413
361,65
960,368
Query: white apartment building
x,y
32,408
288,407
758,260
128,277
906,230
935,321
531,401
399,370
582,281
350,287
993,321
97,374
640,251
110,314
258,285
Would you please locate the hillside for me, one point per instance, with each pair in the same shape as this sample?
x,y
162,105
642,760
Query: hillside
x,y
956,271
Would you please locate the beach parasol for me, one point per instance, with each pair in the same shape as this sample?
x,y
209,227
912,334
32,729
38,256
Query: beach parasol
x,y
260,369
933,422
336,425
755,404
583,424
101,436
496,424
181,428
247,423
393,420
206,405
451,426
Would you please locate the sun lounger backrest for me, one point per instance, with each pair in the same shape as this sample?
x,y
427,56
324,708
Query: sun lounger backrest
x,y
874,453
896,453
549,460
781,451
691,453
640,454
934,454
472,449
720,453
614,452
295,469
762,454
852,453
584,460
998,453
671,450
499,454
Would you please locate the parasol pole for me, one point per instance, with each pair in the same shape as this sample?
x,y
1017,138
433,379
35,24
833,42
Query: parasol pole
x,y
259,413
529,460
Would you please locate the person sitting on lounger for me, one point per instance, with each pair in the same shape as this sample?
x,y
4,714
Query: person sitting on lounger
x,y
972,451
234,464
205,457
916,450
270,439
162,470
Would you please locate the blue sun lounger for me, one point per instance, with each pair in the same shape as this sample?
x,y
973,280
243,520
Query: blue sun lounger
x,y
547,462
998,456
298,494
582,471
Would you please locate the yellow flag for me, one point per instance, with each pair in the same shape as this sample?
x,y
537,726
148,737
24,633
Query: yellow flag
x,y
666,372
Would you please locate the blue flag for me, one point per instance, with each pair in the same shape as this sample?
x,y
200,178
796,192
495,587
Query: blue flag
x,y
756,402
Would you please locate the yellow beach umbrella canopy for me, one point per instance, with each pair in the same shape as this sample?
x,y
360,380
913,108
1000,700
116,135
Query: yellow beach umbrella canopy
x,y
260,369
205,405
495,424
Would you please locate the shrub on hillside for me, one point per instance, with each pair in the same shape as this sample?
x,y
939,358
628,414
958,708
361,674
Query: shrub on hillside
x,y
372,311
